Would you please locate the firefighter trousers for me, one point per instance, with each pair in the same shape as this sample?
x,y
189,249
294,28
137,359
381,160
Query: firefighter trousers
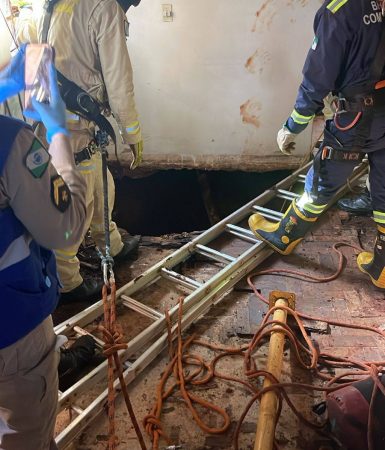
x,y
67,262
333,175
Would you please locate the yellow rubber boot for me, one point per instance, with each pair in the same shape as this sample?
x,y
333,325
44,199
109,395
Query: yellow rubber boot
x,y
285,235
373,264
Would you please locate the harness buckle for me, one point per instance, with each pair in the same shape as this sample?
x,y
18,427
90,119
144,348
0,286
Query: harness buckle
x,y
368,100
341,105
86,153
91,148
107,269
327,153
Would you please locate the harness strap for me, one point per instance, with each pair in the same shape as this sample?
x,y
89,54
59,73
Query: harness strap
x,y
362,102
48,6
86,153
332,154
76,99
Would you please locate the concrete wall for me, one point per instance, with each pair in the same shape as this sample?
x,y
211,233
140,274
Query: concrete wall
x,y
214,85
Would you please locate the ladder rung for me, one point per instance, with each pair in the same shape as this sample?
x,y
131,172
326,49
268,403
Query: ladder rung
x,y
213,254
84,332
301,178
268,213
180,279
127,364
242,233
240,230
287,195
140,308
77,409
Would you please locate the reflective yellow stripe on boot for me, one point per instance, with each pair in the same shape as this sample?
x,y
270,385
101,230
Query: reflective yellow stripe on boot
x,y
291,246
258,222
365,258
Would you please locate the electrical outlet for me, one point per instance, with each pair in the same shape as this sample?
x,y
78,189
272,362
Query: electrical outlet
x,y
167,13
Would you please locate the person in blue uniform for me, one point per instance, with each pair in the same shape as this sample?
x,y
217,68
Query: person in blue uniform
x,y
346,59
42,206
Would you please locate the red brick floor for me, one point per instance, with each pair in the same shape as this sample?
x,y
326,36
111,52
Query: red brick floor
x,y
350,298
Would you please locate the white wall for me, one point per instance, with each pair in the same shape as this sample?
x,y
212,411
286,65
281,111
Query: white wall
x,y
5,37
214,85
192,78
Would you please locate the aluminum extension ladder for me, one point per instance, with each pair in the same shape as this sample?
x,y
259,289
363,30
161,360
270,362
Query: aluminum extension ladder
x,y
151,341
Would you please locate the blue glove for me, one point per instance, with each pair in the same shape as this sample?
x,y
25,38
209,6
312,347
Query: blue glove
x,y
12,77
52,114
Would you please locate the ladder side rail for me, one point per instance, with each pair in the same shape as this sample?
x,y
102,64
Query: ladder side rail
x,y
97,406
190,309
152,275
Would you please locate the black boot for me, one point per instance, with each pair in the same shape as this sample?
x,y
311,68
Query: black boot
x,y
373,264
360,204
285,235
129,251
90,289
77,356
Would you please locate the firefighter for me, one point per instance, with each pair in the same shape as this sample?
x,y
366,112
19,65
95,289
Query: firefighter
x,y
89,38
347,59
42,205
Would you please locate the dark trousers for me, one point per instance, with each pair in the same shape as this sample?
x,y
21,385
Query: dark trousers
x,y
333,175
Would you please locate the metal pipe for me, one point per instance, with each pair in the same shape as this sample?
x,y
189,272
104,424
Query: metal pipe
x,y
264,439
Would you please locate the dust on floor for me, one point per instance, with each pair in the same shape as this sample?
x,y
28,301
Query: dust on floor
x,y
350,298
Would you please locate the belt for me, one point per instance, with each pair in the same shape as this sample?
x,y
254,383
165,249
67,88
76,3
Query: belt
x,y
360,103
340,155
86,153
330,153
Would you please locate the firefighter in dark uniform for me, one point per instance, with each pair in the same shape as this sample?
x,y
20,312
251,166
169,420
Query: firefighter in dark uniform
x,y
346,58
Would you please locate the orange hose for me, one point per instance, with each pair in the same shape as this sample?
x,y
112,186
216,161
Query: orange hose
x,y
352,124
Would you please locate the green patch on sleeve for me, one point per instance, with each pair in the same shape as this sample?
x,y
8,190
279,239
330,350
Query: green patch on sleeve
x,y
37,159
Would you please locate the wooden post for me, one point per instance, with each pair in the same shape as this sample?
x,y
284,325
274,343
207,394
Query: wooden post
x,y
264,439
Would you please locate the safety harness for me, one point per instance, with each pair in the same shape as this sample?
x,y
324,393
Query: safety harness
x,y
365,99
76,99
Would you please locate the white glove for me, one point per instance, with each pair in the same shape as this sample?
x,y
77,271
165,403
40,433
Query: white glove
x,y
286,140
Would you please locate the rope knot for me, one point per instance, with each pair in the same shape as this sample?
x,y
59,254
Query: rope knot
x,y
114,341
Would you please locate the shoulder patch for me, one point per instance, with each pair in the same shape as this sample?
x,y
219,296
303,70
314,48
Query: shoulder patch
x,y
37,159
335,5
60,193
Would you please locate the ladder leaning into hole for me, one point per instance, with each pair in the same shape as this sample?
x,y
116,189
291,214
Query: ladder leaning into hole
x,y
149,343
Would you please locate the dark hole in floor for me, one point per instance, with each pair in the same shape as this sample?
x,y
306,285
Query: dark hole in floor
x,y
176,201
